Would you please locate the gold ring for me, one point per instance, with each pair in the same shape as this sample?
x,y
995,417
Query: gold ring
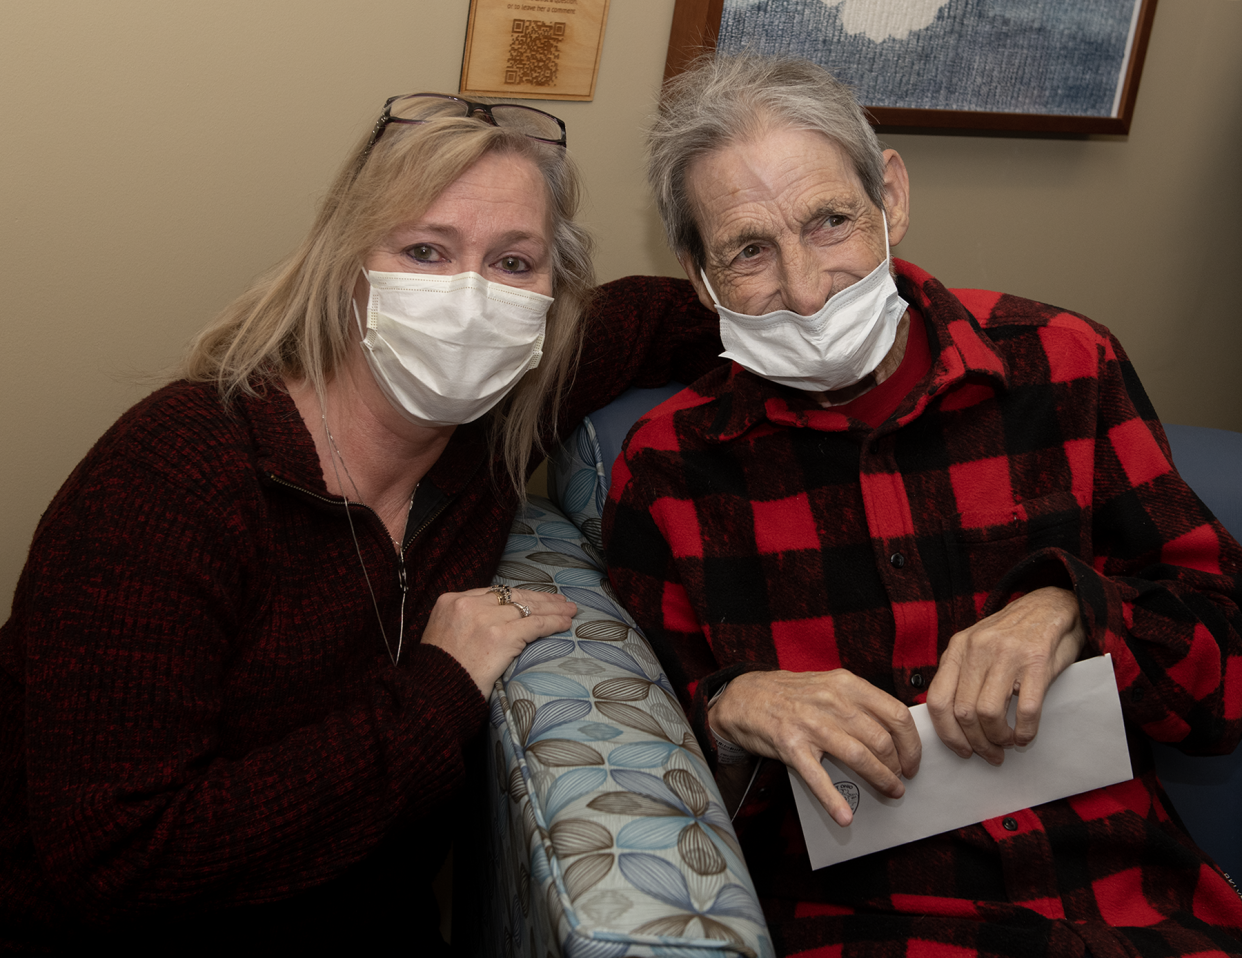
x,y
524,609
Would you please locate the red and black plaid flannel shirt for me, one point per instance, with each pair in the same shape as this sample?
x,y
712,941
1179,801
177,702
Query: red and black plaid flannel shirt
x,y
748,528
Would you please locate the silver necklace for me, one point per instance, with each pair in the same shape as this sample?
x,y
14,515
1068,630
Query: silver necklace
x,y
334,457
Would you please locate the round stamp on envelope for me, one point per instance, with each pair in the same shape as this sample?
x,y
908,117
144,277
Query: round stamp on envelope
x,y
849,791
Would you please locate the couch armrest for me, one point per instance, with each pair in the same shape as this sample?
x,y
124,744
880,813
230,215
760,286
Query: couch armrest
x,y
609,834
580,468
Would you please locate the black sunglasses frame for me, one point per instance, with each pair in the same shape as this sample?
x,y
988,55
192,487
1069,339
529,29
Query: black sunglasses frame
x,y
473,108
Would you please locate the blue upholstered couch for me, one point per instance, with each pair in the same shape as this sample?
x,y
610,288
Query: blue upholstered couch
x,y
605,833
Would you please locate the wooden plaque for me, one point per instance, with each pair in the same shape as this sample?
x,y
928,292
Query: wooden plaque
x,y
533,49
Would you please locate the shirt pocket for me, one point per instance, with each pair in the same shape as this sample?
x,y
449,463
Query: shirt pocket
x,y
983,546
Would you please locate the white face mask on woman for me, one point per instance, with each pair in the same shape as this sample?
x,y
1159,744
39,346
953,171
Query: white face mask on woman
x,y
835,347
446,349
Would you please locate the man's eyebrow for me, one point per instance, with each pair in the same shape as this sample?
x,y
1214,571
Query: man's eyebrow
x,y
836,205
737,240
850,205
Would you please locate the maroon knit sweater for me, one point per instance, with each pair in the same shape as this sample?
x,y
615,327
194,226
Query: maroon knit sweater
x,y
197,711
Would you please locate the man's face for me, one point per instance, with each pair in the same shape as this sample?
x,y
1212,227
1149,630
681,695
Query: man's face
x,y
785,221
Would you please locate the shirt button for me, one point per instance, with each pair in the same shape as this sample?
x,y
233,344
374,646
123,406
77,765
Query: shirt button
x,y
896,560
917,680
1010,824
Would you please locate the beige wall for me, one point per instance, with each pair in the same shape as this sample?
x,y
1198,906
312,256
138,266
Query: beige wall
x,y
156,155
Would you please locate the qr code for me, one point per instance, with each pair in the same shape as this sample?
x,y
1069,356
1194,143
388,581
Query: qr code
x,y
534,49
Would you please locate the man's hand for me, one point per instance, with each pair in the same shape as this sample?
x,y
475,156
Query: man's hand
x,y
798,717
1020,649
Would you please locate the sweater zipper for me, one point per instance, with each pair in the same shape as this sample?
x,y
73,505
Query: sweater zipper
x,y
403,580
426,522
343,503
362,505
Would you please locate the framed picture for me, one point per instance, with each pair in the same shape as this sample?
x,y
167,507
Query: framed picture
x,y
1040,66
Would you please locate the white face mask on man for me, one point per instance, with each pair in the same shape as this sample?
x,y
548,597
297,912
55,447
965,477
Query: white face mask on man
x,y
446,349
845,340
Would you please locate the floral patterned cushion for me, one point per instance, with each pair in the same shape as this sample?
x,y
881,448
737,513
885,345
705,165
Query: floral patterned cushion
x,y
580,470
610,835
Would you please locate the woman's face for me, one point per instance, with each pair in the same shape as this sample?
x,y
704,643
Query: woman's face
x,y
492,220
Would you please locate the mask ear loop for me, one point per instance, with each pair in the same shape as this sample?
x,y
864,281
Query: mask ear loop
x,y
706,282
354,303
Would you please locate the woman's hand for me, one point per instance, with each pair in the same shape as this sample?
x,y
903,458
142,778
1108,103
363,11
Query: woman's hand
x,y
485,635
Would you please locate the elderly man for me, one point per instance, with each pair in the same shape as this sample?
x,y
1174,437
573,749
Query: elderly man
x,y
899,493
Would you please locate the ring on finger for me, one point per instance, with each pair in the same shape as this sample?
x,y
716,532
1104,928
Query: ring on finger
x,y
524,609
504,595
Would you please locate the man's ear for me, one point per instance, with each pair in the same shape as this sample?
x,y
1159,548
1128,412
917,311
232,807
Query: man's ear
x,y
896,196
696,280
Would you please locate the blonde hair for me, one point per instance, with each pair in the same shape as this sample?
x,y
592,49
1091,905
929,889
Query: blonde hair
x,y
294,322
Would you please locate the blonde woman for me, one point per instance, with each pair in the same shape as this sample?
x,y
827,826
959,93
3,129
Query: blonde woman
x,y
254,633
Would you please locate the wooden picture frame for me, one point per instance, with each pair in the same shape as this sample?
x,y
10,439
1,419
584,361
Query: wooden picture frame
x,y
533,49
696,29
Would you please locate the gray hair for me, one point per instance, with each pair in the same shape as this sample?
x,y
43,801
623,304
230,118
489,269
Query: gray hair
x,y
720,100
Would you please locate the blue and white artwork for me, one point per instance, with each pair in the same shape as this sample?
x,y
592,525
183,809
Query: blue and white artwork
x,y
1064,57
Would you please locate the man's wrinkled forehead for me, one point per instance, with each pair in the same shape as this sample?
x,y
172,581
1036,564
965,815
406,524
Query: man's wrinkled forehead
x,y
780,175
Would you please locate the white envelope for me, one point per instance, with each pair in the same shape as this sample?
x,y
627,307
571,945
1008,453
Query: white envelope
x,y
1081,745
